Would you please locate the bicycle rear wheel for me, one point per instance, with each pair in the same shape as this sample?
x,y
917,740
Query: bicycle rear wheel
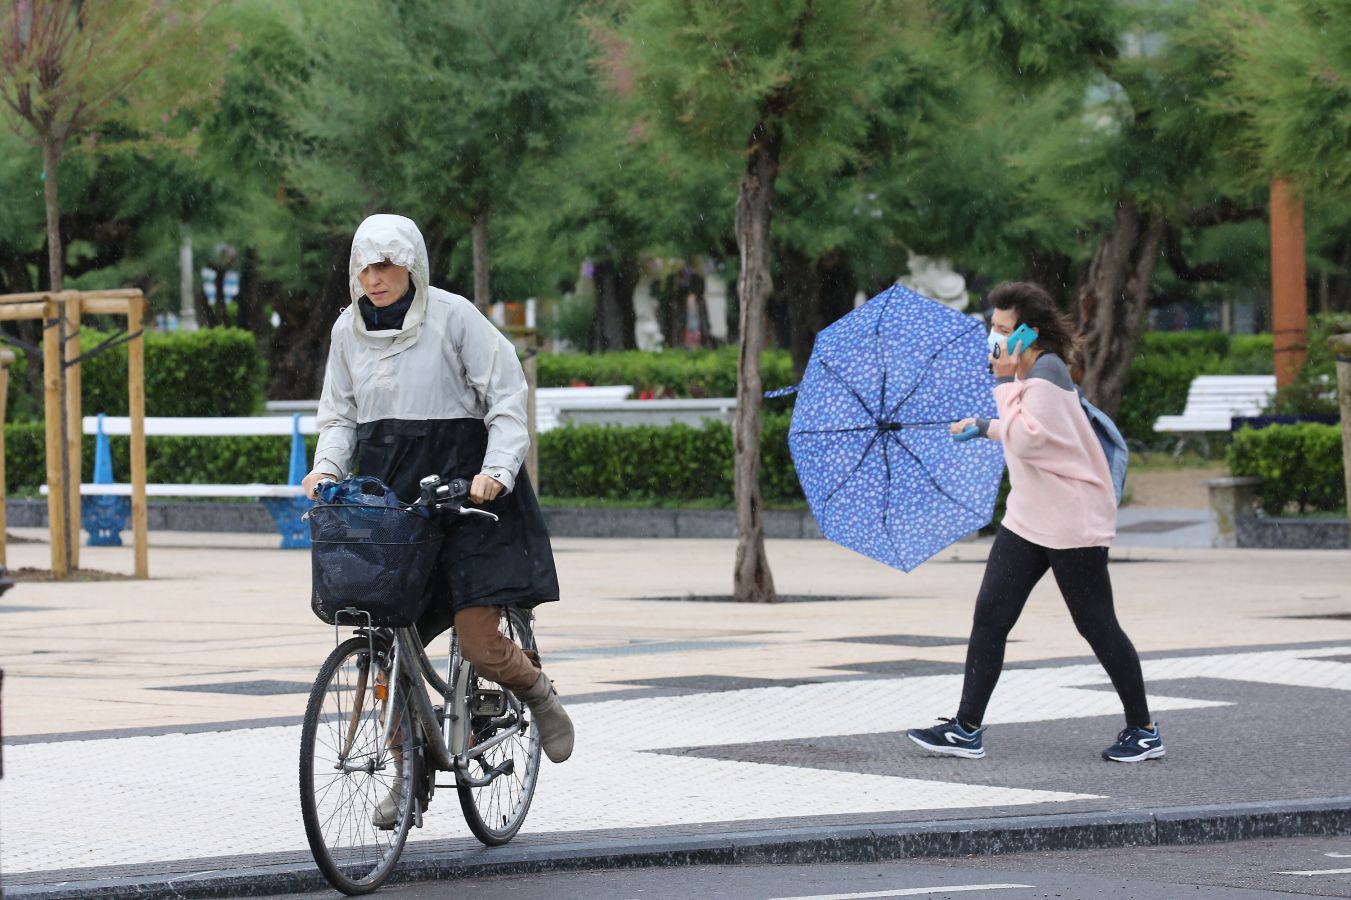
x,y
347,771
496,811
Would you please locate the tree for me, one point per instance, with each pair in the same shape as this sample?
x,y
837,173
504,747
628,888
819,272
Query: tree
x,y
1139,132
467,96
782,83
617,195
1286,71
68,66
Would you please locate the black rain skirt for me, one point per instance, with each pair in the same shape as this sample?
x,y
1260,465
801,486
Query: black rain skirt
x,y
481,562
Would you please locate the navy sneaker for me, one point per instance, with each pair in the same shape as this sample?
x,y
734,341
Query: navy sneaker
x,y
1136,745
950,738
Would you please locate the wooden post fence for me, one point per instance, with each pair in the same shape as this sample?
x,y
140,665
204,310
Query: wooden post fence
x,y
60,314
6,360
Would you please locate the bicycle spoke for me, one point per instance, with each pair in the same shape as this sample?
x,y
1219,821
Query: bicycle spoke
x,y
346,774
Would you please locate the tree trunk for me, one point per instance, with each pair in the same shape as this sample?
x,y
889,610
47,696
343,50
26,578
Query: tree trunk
x,y
837,285
206,314
246,301
300,343
706,337
481,298
1052,270
51,155
798,290
666,294
815,293
1113,301
752,581
612,323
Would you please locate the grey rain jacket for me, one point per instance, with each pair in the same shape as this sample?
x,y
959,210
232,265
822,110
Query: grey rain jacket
x,y
444,394
446,362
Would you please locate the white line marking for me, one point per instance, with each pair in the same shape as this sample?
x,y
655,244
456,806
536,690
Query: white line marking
x,y
1318,872
912,892
1339,855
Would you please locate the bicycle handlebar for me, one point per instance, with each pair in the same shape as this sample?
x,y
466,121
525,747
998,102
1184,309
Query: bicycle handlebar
x,y
438,496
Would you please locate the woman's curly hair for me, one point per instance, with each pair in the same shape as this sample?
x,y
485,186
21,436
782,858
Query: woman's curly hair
x,y
1056,332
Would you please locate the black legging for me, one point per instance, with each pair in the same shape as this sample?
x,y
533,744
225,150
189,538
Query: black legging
x,y
1014,568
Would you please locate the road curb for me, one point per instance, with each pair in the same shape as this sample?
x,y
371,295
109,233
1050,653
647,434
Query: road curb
x,y
851,843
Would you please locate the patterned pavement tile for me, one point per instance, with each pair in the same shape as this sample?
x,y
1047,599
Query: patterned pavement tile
x,y
830,751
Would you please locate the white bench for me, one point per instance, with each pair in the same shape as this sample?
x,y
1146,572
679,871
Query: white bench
x,y
550,402
283,501
682,411
553,404
1212,400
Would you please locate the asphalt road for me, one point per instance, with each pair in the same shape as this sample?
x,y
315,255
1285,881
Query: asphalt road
x,y
1242,870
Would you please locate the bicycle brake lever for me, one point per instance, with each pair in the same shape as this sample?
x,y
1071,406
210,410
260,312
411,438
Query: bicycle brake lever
x,y
470,511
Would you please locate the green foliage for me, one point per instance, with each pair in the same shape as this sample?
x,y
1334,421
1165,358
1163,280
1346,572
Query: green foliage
x,y
1036,38
1287,71
670,373
169,460
1300,466
212,372
25,456
1163,369
478,91
710,71
1314,390
1249,354
670,463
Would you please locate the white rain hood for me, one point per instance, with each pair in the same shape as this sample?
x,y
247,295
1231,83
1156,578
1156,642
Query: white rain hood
x,y
397,239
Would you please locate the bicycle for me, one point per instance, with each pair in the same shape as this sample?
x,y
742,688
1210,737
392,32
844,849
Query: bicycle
x,y
373,740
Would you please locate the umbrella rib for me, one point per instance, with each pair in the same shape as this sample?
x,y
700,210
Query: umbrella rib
x,y
877,333
850,388
813,431
899,403
920,464
886,499
858,465
844,430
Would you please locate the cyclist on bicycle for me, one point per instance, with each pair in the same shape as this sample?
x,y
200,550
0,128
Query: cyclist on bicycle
x,y
419,382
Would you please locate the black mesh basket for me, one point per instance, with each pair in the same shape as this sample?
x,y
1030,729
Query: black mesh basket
x,y
375,559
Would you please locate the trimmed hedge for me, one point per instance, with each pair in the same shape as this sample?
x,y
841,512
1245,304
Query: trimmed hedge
x,y
675,462
1166,363
212,372
668,373
1300,466
1162,371
199,460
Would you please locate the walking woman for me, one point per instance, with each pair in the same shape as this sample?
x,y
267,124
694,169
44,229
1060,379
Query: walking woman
x,y
418,382
1060,515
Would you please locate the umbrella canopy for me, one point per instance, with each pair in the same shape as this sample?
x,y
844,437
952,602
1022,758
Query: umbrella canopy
x,y
870,436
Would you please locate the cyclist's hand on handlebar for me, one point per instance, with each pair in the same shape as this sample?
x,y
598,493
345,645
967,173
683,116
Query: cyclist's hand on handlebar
x,y
311,482
484,489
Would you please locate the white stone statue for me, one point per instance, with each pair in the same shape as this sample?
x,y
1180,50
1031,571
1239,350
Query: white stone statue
x,y
935,278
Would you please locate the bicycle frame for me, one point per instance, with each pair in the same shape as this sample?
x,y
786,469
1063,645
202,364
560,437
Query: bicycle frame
x,y
452,752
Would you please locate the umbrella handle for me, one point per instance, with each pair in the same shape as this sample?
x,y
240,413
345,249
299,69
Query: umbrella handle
x,y
967,433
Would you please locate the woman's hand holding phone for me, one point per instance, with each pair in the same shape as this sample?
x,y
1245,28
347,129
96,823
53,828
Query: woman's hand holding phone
x,y
1005,365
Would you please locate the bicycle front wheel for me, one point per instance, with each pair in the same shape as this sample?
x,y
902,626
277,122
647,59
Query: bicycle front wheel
x,y
496,811
356,785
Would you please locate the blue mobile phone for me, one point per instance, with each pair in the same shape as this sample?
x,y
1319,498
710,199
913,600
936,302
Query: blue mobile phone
x,y
1022,338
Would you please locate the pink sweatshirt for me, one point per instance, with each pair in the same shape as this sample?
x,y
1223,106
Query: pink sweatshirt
x,y
1061,489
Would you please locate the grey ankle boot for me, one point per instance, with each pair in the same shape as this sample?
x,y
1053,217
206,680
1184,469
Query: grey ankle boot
x,y
551,719
386,814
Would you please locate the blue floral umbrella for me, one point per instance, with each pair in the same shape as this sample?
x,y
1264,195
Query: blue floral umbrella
x,y
870,436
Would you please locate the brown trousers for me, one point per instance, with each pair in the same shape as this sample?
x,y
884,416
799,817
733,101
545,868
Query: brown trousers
x,y
494,655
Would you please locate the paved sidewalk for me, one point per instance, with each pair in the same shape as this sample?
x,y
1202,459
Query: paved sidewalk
x,y
151,728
